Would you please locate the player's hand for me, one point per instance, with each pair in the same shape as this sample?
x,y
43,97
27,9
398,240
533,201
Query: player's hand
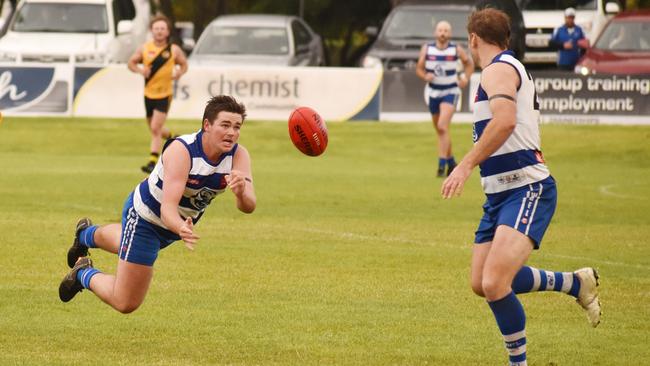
x,y
568,45
237,182
429,76
453,185
175,75
145,71
186,233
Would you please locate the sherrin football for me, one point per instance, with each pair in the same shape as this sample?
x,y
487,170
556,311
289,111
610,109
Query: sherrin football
x,y
308,131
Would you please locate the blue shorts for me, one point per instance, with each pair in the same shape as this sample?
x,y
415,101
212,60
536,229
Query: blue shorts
x,y
434,103
528,209
141,240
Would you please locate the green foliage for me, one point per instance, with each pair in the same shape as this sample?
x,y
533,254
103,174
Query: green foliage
x,y
637,4
347,22
350,259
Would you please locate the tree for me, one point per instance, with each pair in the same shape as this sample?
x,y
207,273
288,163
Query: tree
x,y
205,11
165,7
341,24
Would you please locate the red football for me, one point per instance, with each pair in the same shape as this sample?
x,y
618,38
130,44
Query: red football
x,y
308,131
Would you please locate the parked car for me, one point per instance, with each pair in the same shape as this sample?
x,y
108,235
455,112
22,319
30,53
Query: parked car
x,y
411,24
258,39
82,31
623,47
6,11
543,16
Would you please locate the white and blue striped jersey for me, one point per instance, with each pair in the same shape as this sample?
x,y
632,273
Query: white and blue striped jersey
x,y
519,160
442,63
205,181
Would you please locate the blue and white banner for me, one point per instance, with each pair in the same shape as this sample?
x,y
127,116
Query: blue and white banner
x,y
35,90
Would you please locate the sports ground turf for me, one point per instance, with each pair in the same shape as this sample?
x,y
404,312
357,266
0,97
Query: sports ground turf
x,y
351,258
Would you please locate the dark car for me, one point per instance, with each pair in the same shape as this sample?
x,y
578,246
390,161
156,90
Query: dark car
x,y
411,24
623,47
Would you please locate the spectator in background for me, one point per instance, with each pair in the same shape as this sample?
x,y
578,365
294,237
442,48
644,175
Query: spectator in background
x,y
569,39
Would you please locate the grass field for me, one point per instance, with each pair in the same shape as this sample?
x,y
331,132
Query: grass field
x,y
351,258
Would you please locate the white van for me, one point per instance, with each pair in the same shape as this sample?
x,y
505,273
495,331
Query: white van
x,y
79,31
541,17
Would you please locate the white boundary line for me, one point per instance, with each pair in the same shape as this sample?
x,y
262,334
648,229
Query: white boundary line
x,y
606,191
357,236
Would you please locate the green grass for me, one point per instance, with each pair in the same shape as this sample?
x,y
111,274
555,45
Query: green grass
x,y
351,258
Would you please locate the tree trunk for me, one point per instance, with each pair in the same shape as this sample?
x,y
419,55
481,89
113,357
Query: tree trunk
x,y
167,9
347,44
205,12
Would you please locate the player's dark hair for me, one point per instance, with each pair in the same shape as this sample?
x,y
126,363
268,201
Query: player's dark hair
x,y
222,103
492,25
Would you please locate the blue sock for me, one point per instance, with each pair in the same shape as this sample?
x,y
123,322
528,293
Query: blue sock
x,y
511,320
87,236
530,279
84,275
451,161
441,163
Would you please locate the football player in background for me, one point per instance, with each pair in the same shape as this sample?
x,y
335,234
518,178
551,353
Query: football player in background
x,y
437,66
159,59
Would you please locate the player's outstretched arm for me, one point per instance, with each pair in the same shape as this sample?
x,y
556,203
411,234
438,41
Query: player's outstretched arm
x,y
500,82
240,181
177,167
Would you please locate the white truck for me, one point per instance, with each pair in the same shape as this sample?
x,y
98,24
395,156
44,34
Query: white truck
x,y
541,17
75,31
